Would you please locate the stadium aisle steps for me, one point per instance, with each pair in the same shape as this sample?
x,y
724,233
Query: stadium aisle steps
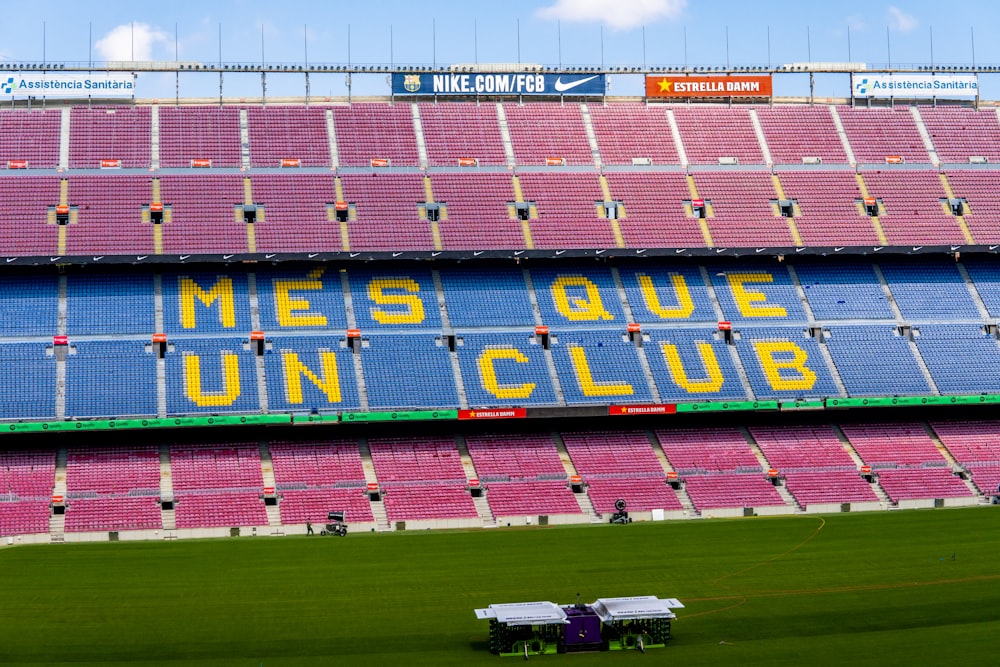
x,y
849,448
482,505
267,473
582,499
378,506
681,492
952,461
57,522
168,517
782,490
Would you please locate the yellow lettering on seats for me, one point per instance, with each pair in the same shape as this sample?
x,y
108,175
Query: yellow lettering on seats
x,y
685,305
711,384
285,305
590,309
746,299
803,376
329,384
586,378
231,381
222,291
488,373
414,313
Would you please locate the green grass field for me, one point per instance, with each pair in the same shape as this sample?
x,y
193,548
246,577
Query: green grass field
x,y
878,588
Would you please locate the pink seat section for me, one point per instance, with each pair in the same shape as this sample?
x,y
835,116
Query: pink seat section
x,y
296,213
548,130
24,205
32,136
713,132
816,467
203,213
218,486
26,481
979,189
314,478
626,131
421,478
288,133
199,133
375,131
828,205
718,468
976,447
913,212
960,133
523,474
109,133
109,215
743,215
113,488
388,216
876,134
462,130
477,212
794,132
567,215
654,210
620,465
907,461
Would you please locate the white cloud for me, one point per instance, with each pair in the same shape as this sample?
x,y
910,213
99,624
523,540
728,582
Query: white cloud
x,y
617,14
125,40
856,22
900,20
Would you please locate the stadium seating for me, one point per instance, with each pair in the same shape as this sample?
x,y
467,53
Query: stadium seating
x,y
26,482
795,132
462,130
287,133
113,488
876,134
627,131
315,478
199,133
375,131
421,478
109,133
32,136
217,486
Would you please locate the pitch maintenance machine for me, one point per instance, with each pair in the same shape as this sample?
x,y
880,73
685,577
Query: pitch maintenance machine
x,y
609,624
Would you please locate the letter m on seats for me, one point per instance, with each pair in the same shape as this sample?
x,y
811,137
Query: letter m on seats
x,y
221,291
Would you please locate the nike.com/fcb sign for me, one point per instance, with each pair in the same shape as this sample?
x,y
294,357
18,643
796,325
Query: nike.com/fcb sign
x,y
708,86
498,84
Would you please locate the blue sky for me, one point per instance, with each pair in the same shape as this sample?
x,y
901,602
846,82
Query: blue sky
x,y
451,31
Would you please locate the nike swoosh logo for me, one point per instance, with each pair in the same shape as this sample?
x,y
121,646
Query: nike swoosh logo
x,y
141,257
183,257
11,259
563,87
313,254
227,257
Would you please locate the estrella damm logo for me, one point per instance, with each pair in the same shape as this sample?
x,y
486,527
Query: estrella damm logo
x,y
411,82
8,85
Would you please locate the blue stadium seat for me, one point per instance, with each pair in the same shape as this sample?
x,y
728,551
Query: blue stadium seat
x,y
962,358
772,358
577,296
929,290
110,379
875,361
227,309
30,305
487,298
408,371
394,300
655,298
121,303
768,293
306,298
844,292
217,393
30,389
517,363
985,275
607,371
696,382
299,377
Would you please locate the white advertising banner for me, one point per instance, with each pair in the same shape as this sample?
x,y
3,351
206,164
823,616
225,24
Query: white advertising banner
x,y
50,84
914,85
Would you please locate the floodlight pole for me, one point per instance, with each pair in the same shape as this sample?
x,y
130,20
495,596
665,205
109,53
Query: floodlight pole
x,y
305,51
220,64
